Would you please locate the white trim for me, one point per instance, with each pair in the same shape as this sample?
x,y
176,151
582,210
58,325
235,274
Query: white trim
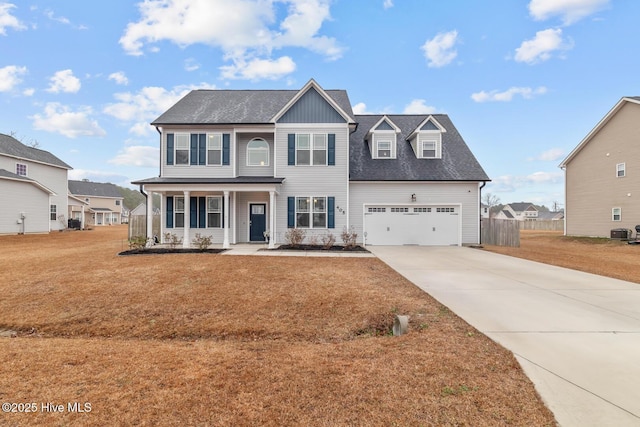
x,y
258,138
431,119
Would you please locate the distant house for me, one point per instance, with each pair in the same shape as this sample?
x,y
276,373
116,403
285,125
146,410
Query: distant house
x,y
33,184
485,211
104,202
243,165
602,175
523,211
551,216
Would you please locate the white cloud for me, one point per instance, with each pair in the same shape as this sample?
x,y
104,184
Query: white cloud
x,y
61,19
119,77
542,46
360,108
60,119
509,183
247,31
145,105
258,69
550,155
506,96
10,77
137,155
99,176
544,178
64,81
418,106
190,64
570,11
7,20
387,4
440,51
29,91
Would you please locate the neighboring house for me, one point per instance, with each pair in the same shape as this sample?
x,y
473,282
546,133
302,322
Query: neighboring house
x,y
602,175
551,216
104,202
33,184
485,211
522,211
244,165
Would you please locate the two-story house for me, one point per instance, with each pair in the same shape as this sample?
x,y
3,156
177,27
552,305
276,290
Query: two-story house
x,y
600,175
522,211
242,165
33,184
104,203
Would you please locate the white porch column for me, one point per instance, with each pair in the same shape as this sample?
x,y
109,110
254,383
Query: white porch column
x,y
272,219
83,225
186,239
225,242
149,216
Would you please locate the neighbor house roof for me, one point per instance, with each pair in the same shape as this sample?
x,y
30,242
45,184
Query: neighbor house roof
x,y
600,125
457,162
94,189
521,206
10,146
237,106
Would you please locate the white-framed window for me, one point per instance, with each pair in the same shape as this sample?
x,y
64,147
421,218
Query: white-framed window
x,y
182,148
384,150
616,214
311,212
311,149
258,152
178,212
214,149
429,149
214,212
21,169
117,202
620,170
53,212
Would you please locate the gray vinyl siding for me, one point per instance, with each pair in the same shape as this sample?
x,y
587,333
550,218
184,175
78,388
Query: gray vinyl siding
x,y
195,171
329,181
311,108
243,168
52,177
384,136
24,197
592,187
382,193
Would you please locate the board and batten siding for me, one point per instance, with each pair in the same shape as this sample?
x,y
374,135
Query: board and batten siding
x,y
197,171
311,108
329,181
427,193
243,169
17,197
592,187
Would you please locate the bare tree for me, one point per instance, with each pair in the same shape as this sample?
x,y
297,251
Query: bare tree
x,y
490,199
556,206
33,143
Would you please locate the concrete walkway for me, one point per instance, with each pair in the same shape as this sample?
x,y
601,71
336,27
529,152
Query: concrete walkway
x,y
576,335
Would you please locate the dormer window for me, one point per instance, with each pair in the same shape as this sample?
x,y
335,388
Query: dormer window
x,y
382,139
426,139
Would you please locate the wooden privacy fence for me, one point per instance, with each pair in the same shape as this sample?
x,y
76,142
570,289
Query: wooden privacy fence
x,y
500,232
544,225
138,225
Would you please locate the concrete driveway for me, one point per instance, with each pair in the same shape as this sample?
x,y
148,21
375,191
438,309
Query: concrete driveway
x,y
576,335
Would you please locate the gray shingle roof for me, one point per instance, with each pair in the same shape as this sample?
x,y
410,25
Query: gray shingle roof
x,y
14,148
95,189
521,206
6,174
457,163
236,106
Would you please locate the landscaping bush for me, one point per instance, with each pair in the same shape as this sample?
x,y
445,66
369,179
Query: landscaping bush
x,y
202,242
328,240
349,237
138,242
295,236
172,240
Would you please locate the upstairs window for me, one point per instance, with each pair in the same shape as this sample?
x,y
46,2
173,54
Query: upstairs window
x,y
311,149
182,148
429,149
21,169
384,149
214,149
620,170
258,153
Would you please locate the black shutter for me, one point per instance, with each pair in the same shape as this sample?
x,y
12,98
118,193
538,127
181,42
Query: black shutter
x,y
169,148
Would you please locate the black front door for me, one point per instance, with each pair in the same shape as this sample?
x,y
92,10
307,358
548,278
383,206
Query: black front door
x,y
257,222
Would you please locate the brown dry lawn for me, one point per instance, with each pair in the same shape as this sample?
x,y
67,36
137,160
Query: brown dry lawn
x,y
217,340
606,257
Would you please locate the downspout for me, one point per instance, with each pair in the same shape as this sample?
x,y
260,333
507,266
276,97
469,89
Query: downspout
x,y
480,212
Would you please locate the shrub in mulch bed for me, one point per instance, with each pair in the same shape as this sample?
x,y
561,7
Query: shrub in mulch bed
x,y
156,251
320,248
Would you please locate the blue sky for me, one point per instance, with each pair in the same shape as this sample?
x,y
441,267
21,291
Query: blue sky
x,y
523,81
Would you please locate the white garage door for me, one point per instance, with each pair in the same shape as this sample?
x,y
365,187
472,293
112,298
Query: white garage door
x,y
412,225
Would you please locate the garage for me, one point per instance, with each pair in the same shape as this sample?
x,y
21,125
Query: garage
x,y
424,225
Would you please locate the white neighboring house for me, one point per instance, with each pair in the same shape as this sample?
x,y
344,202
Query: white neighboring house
x,y
523,211
33,184
241,165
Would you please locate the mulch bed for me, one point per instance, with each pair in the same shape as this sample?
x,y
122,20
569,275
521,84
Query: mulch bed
x,y
334,248
157,251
